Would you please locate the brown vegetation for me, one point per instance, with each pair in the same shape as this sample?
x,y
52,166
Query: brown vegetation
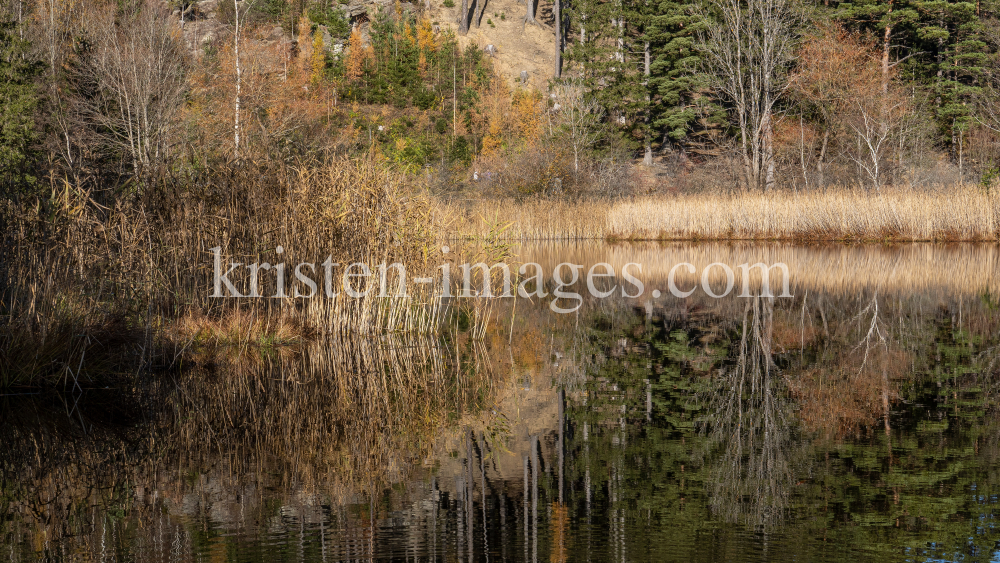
x,y
133,269
960,213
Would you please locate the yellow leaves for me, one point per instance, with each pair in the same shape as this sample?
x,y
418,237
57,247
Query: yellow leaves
x,y
318,58
493,141
425,36
528,114
408,33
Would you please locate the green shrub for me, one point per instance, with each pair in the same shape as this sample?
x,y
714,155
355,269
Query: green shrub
x,y
424,99
461,151
320,13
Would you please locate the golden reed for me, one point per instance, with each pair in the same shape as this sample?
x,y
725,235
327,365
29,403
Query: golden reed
x,y
960,213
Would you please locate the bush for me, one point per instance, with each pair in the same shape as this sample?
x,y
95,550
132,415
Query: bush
x,y
461,151
424,99
336,24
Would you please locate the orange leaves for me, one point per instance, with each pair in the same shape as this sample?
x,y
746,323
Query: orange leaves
x,y
425,35
497,114
493,141
426,43
356,56
836,66
528,115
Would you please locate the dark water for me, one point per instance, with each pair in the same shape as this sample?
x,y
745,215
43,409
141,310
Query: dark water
x,y
855,421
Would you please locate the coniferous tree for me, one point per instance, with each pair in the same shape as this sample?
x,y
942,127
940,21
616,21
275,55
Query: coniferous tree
x,y
18,101
674,79
937,45
610,58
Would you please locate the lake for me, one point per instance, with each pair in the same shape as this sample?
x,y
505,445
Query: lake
x,y
857,420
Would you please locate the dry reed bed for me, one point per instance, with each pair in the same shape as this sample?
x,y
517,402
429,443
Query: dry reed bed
x,y
965,213
959,213
529,220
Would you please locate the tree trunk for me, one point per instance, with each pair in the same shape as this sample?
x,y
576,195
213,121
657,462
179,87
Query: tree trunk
x,y
768,151
802,155
647,158
463,18
236,52
885,53
822,156
557,19
529,17
478,12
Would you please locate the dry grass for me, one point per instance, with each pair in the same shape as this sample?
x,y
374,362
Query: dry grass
x,y
531,219
240,328
121,269
961,213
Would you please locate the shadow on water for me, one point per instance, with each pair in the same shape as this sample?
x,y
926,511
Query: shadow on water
x,y
858,423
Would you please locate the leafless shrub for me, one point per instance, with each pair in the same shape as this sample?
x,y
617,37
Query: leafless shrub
x,y
135,77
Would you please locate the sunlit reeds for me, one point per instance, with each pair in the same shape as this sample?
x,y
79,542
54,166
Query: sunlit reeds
x,y
532,219
966,213
960,213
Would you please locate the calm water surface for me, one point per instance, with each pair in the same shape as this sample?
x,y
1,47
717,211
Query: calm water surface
x,y
856,421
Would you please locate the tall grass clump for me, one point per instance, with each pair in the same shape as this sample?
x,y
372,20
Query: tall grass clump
x,y
94,279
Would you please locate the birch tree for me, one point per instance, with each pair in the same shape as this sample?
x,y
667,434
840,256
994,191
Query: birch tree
x,y
579,117
136,72
237,29
746,52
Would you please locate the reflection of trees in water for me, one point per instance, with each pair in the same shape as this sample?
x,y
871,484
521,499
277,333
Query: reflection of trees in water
x,y
751,424
286,442
335,424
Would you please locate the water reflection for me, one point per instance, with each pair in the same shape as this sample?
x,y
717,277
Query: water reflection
x,y
753,475
853,422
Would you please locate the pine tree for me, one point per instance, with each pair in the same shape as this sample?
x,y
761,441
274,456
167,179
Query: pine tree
x,y
18,102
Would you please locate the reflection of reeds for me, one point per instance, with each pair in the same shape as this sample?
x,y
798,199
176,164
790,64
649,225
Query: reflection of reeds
x,y
967,269
337,424
349,408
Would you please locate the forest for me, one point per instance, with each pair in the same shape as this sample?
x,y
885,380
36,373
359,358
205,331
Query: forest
x,y
715,95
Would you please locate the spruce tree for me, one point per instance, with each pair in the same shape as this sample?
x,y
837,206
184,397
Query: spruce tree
x,y
18,102
674,81
610,59
938,45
